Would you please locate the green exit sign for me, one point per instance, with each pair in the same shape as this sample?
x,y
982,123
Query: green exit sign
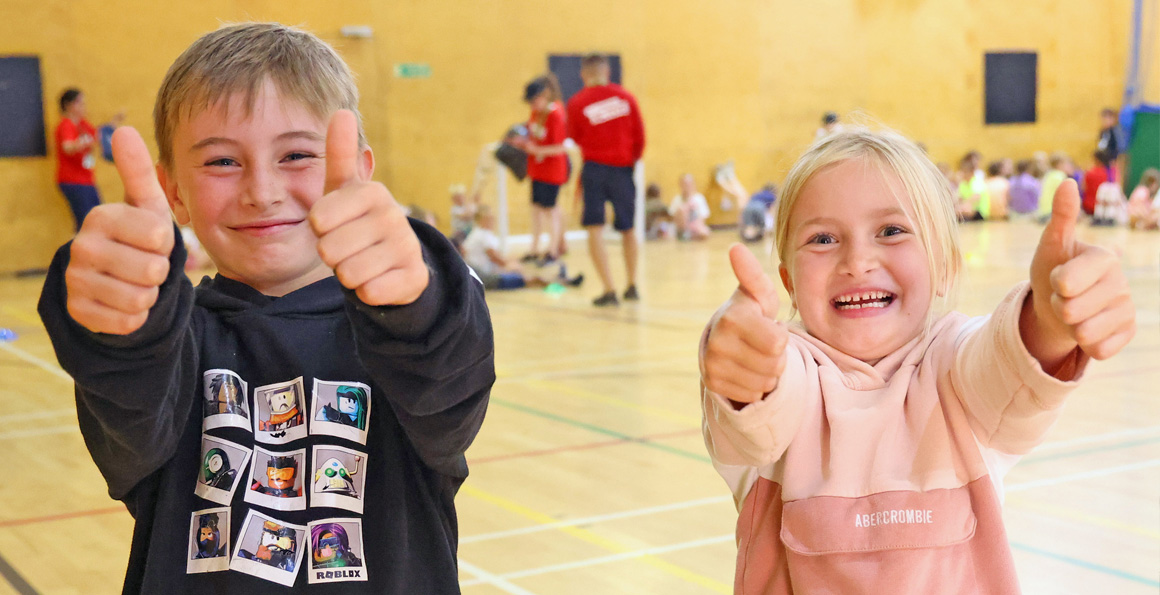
x,y
413,70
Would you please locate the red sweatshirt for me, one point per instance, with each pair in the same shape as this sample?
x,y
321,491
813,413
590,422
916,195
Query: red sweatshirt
x,y
605,121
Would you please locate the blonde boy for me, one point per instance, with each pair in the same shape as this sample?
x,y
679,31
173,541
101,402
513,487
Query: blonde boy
x,y
323,287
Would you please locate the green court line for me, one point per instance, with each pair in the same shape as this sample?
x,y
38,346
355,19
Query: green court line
x,y
1143,580
599,430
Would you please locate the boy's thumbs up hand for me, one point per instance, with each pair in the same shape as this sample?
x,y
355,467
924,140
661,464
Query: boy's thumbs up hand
x,y
363,234
120,256
745,352
1079,293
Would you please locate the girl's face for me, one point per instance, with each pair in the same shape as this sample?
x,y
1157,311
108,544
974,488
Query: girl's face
x,y
857,271
540,102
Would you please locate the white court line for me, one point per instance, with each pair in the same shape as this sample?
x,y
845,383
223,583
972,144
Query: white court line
x,y
652,551
1096,438
574,372
49,367
1027,485
37,415
484,577
595,519
39,432
607,355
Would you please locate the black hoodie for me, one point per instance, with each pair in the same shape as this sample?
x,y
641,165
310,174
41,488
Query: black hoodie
x,y
425,371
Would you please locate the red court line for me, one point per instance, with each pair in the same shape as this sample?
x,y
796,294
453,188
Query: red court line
x,y
61,517
586,446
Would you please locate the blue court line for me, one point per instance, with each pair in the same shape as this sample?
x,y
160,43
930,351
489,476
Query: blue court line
x,y
1088,451
1088,565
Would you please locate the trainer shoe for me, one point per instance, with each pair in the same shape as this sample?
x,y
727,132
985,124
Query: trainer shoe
x,y
608,299
630,294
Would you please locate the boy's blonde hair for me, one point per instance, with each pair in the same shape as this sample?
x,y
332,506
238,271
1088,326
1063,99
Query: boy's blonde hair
x,y
239,58
924,187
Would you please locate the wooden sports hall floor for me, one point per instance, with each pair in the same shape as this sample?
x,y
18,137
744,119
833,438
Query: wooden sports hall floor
x,y
590,477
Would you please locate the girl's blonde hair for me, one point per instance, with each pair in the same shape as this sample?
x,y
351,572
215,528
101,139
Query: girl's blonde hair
x,y
239,58
925,190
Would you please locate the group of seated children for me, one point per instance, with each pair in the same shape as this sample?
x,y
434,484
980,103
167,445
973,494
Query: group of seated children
x,y
686,217
1026,189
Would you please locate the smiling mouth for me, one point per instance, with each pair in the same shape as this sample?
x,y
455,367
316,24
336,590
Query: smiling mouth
x,y
866,299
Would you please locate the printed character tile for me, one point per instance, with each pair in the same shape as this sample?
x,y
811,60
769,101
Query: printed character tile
x,y
222,464
226,403
338,480
341,409
269,549
336,551
209,541
276,479
278,412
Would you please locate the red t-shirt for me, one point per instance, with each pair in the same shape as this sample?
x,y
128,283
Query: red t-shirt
x,y
78,167
552,169
605,121
1092,179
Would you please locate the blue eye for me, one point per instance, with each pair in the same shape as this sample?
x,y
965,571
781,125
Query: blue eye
x,y
822,238
297,156
892,230
222,162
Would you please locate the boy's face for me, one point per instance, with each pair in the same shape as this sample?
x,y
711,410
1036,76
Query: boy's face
x,y
246,186
857,269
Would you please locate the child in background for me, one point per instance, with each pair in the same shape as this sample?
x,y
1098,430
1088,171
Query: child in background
x,y
998,186
1060,170
974,204
1144,203
1099,173
462,213
1023,192
866,445
756,216
547,163
658,223
481,251
690,211
324,287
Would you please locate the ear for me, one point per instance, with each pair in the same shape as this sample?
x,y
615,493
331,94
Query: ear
x,y
176,204
366,164
787,282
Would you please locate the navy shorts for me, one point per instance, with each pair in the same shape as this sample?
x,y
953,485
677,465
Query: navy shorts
x,y
544,194
607,183
81,199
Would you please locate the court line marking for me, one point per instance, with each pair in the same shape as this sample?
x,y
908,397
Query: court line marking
x,y
586,446
578,358
1085,564
51,430
1049,481
484,577
49,367
597,429
1045,509
1059,444
600,518
14,417
641,366
596,540
629,555
658,412
63,516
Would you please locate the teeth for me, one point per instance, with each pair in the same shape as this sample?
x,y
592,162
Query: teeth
x,y
869,299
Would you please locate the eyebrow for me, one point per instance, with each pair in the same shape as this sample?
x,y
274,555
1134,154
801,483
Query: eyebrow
x,y
291,135
878,214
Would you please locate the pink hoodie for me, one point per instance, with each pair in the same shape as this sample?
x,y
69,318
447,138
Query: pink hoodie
x,y
852,478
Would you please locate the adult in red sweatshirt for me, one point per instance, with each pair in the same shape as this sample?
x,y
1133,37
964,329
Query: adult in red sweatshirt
x,y
605,122
75,137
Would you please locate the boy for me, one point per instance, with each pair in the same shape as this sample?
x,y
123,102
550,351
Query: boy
x,y
323,283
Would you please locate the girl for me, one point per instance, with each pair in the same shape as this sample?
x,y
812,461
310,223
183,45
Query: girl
x,y
547,163
866,445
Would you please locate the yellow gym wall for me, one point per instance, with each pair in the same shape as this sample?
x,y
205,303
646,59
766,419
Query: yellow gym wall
x,y
741,80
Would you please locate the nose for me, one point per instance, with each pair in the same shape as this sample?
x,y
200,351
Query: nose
x,y
263,188
859,257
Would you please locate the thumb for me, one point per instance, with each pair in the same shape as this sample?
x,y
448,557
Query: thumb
x,y
342,150
135,166
753,281
1058,238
